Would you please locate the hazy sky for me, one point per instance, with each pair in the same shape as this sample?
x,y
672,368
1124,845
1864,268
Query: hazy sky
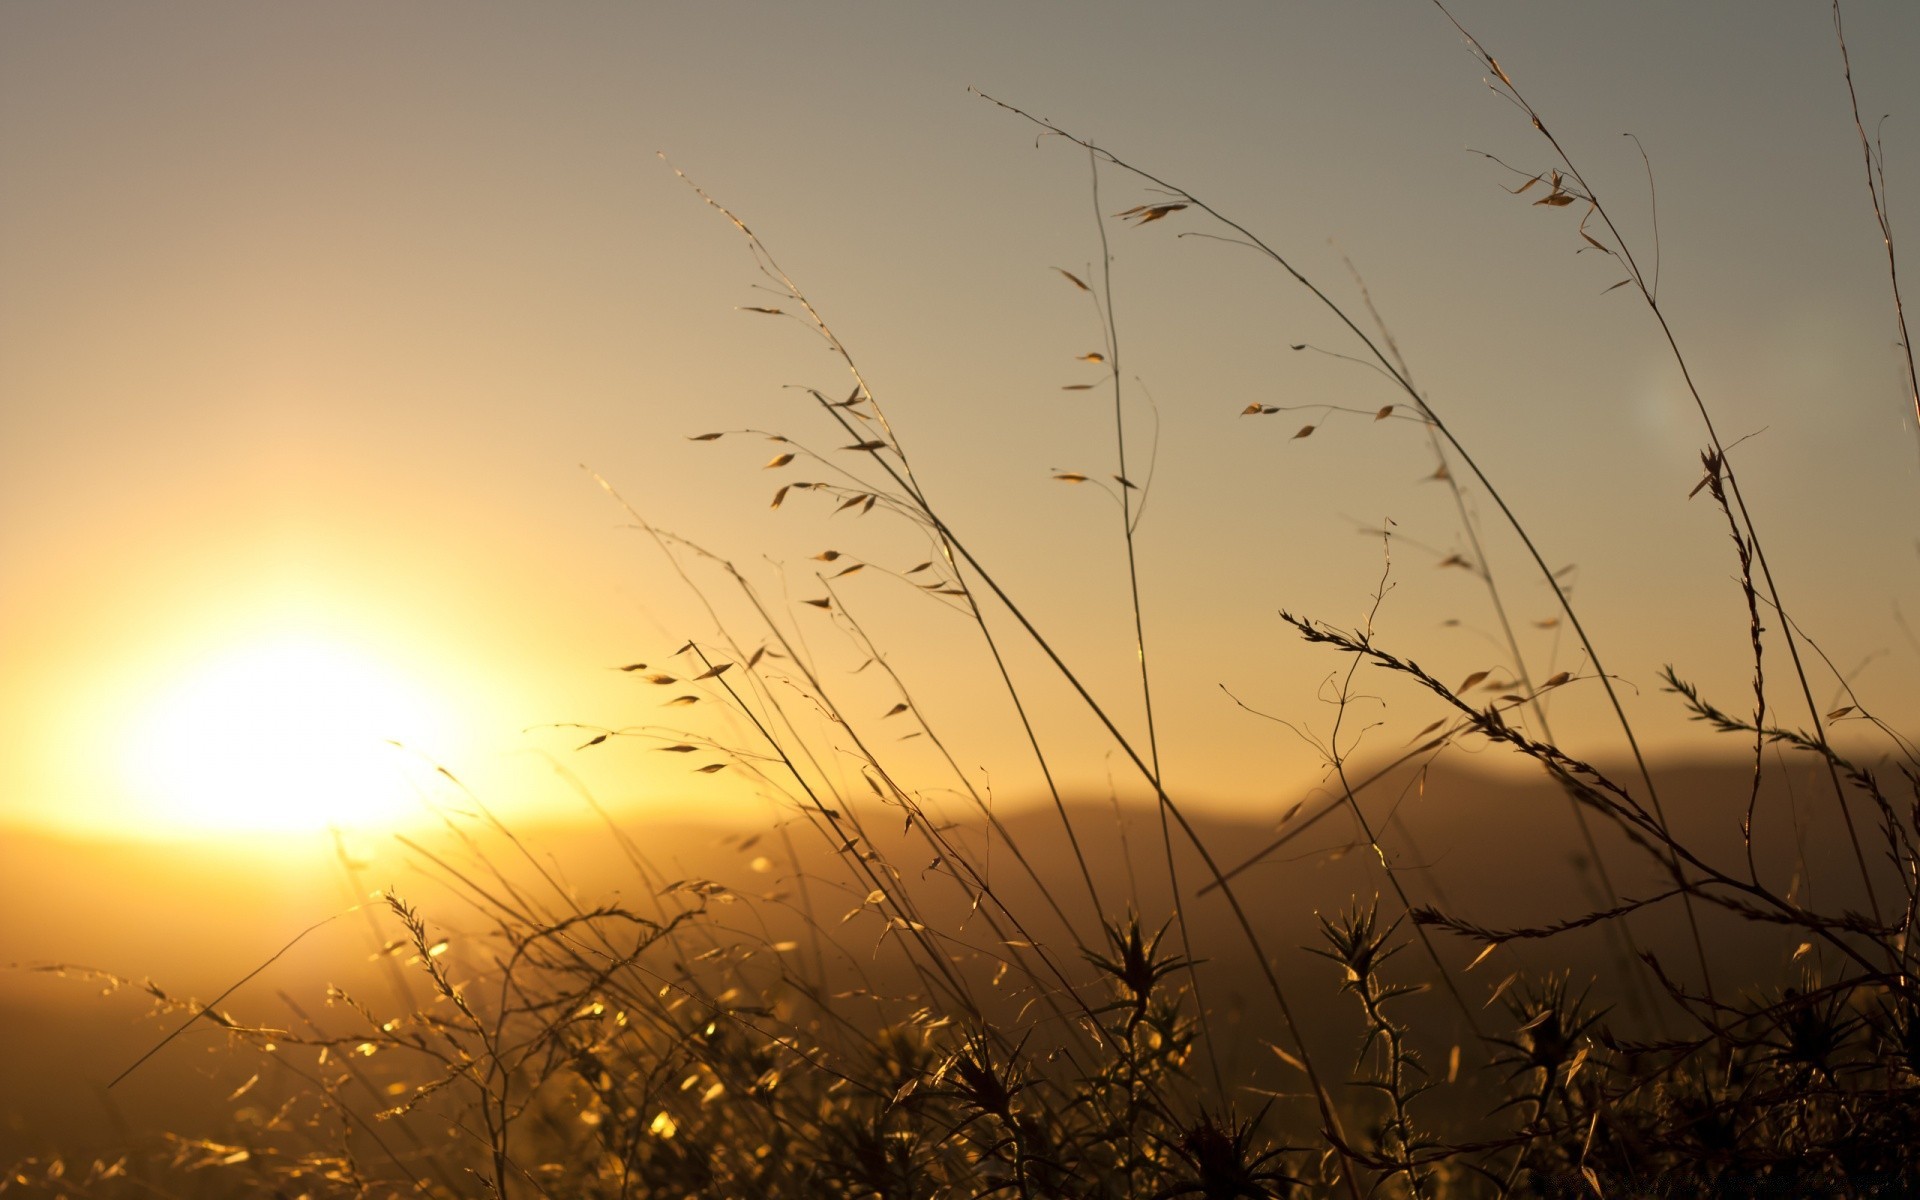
x,y
311,314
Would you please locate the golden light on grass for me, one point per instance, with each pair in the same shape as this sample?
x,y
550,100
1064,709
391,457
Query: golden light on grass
x,y
915,880
284,733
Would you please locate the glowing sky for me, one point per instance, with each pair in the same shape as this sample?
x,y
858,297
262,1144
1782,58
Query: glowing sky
x,y
310,314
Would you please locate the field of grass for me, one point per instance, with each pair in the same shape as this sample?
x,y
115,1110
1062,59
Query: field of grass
x,y
1630,978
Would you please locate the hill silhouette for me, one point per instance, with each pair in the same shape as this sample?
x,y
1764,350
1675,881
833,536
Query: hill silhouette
x,y
1497,849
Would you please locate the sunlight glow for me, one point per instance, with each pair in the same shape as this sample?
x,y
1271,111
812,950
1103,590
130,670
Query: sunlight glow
x,y
290,734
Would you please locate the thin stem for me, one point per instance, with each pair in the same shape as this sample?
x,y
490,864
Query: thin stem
x,y
1625,255
1139,627
1400,380
1876,187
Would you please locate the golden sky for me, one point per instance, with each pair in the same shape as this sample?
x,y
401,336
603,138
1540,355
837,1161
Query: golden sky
x,y
311,315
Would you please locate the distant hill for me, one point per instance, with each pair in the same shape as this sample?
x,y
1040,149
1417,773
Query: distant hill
x,y
1499,850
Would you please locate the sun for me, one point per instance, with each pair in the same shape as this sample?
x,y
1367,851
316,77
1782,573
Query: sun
x,y
285,734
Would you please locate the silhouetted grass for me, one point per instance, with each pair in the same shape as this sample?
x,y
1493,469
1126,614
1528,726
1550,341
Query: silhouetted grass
x,y
903,1021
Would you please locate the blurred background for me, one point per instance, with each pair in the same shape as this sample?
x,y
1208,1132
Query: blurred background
x,y
314,315
318,322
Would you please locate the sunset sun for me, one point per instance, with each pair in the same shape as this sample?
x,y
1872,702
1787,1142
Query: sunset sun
x,y
280,735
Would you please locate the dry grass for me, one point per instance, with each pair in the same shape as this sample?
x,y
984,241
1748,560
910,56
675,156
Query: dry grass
x,y
908,1019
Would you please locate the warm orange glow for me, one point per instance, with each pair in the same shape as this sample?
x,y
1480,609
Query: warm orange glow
x,y
294,733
